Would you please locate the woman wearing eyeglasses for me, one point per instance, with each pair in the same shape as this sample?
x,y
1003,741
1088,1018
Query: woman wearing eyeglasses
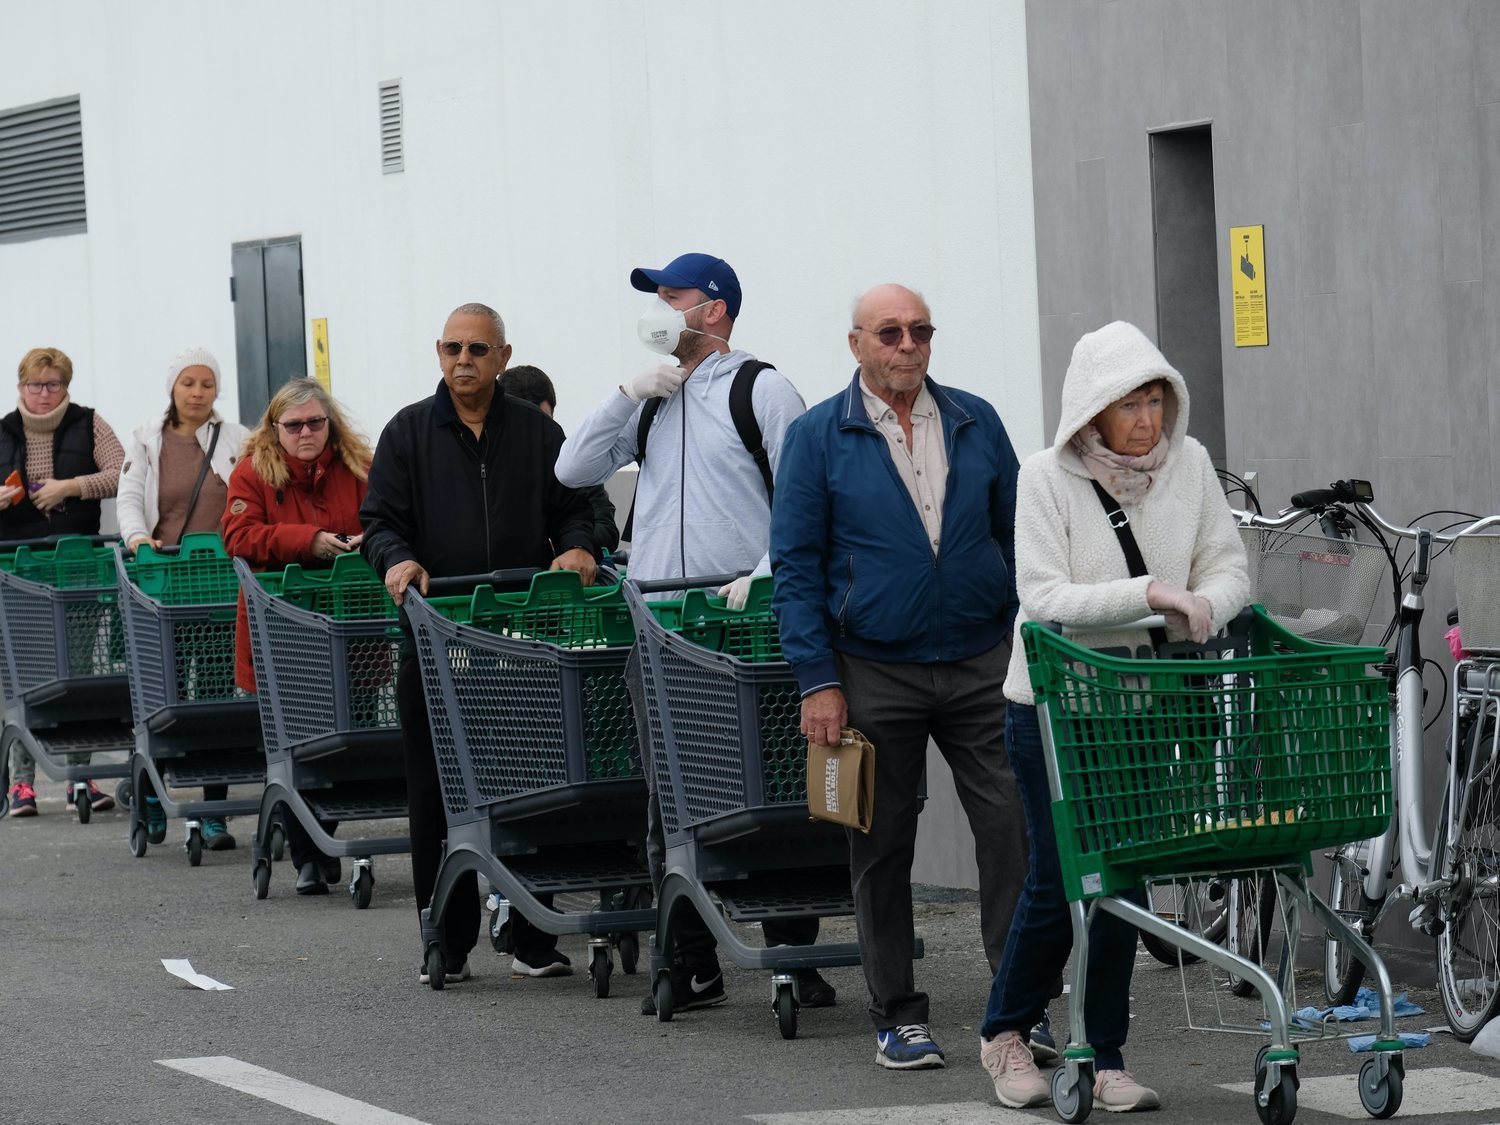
x,y
294,497
68,460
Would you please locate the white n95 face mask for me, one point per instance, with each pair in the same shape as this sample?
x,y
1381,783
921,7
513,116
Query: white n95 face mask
x,y
661,326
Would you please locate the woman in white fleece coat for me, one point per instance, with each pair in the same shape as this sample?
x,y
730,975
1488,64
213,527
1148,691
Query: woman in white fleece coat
x,y
156,495
1124,426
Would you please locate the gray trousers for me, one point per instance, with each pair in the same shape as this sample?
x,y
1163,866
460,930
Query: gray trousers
x,y
959,705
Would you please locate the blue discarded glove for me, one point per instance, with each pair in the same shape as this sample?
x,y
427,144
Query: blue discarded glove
x,y
1360,1043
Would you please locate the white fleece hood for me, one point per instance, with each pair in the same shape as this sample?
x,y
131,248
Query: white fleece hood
x,y
1106,366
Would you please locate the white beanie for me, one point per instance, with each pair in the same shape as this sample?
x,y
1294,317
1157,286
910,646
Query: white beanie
x,y
190,357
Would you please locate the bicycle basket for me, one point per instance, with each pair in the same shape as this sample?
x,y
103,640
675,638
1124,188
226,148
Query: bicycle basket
x,y
1315,587
1166,766
1476,565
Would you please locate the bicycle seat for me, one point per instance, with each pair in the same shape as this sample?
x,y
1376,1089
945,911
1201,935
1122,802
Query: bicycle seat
x,y
1453,616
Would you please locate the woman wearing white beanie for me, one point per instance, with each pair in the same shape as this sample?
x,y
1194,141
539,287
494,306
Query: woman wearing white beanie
x,y
161,499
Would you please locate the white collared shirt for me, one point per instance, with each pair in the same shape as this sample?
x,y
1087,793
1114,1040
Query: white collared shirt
x,y
924,467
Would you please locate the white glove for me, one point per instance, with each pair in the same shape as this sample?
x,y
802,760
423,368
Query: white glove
x,y
736,592
660,381
1196,613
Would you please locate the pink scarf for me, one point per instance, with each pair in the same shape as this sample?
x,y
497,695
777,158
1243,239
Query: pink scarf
x,y
1127,479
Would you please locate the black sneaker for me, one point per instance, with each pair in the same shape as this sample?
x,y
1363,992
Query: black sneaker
x,y
333,871
310,879
1043,1046
814,990
691,989
546,963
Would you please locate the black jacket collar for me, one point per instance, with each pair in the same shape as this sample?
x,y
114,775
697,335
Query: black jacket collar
x,y
444,413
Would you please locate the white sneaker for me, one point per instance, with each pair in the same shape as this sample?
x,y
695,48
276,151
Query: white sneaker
x,y
556,965
450,976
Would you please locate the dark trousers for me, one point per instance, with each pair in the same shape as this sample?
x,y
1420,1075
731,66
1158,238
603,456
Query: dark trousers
x,y
694,941
1041,935
299,844
428,825
960,706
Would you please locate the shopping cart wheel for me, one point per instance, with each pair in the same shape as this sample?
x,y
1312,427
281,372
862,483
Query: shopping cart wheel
x,y
362,888
81,803
1074,1101
276,841
262,878
599,970
786,1011
1281,1106
125,794
194,847
436,969
1381,1097
630,953
664,1001
138,841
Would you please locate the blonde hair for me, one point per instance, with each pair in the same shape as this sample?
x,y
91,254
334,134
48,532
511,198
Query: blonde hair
x,y
264,445
38,360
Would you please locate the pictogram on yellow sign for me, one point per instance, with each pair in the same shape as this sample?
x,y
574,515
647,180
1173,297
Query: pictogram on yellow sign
x,y
320,352
1247,274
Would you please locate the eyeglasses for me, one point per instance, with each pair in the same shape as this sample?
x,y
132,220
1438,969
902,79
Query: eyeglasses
x,y
311,425
891,335
51,387
477,348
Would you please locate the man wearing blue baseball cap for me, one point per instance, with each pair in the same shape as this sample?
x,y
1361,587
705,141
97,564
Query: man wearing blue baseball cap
x,y
702,507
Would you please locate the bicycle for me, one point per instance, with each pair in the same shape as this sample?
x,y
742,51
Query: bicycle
x,y
1450,872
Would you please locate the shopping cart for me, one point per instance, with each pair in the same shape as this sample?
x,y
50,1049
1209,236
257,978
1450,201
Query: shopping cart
x,y
536,755
1239,763
730,768
193,727
326,645
62,661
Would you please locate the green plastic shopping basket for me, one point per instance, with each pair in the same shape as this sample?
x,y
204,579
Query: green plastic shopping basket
x,y
1190,765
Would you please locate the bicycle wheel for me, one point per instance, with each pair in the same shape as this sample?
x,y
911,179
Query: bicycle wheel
x,y
1198,905
1468,954
1343,972
1251,910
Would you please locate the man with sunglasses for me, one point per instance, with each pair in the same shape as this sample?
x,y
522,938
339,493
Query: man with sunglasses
x,y
463,483
702,507
893,547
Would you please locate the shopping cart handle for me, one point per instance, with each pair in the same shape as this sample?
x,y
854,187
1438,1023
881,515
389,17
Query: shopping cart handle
x,y
466,582
51,541
656,585
1155,621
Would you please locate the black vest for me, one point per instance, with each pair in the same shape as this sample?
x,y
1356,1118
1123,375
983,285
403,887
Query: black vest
x,y
72,456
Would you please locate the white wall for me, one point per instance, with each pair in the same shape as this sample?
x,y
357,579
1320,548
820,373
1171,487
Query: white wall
x,y
550,148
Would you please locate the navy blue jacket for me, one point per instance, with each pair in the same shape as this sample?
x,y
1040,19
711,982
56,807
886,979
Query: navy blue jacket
x,y
854,570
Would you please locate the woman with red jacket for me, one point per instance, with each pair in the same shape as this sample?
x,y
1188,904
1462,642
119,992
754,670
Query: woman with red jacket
x,y
294,497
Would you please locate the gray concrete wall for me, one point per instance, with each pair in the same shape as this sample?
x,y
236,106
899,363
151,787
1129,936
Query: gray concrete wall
x,y
1366,138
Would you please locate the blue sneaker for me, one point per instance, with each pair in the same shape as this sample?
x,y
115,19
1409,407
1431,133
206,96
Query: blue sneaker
x,y
216,837
156,821
907,1046
1043,1046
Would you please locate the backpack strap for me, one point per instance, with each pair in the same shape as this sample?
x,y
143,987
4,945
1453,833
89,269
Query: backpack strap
x,y
741,413
1131,549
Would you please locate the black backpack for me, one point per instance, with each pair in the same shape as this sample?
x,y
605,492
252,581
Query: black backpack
x,y
741,412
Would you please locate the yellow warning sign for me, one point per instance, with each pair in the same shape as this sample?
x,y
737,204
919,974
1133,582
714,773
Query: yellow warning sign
x,y
320,352
1247,258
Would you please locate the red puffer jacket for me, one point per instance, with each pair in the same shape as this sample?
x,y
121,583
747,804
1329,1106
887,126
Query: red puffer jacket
x,y
273,527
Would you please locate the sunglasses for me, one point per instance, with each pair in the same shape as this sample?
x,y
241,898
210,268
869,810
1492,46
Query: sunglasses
x,y
891,335
50,387
311,425
477,348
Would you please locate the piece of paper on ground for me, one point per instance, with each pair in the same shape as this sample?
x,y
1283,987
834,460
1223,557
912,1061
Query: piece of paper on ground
x,y
184,969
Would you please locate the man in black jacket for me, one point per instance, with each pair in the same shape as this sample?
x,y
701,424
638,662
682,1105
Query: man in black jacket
x,y
463,484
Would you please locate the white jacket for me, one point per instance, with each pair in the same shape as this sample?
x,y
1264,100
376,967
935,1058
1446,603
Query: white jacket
x,y
1069,566
140,478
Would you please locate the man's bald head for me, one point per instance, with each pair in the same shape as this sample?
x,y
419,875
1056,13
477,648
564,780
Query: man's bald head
x,y
888,291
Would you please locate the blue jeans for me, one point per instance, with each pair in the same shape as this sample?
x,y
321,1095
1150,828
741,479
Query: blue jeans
x,y
1041,930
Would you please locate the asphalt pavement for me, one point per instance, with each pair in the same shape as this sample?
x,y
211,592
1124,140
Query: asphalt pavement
x,y
325,1019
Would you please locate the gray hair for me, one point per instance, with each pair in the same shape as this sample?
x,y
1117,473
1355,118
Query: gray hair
x,y
474,308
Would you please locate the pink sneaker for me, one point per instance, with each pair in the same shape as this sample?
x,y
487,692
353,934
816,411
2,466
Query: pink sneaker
x,y
22,799
1018,1082
1117,1092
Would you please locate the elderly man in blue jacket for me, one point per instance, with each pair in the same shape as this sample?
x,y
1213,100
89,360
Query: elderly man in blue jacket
x,y
892,545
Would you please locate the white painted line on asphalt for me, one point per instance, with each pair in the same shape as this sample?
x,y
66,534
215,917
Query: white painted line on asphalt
x,y
324,1105
949,1113
1439,1089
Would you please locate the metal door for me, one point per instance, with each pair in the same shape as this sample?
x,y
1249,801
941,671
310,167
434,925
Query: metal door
x,y
270,337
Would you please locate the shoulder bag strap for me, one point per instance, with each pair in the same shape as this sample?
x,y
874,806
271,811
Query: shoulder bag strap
x,y
1132,551
213,443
